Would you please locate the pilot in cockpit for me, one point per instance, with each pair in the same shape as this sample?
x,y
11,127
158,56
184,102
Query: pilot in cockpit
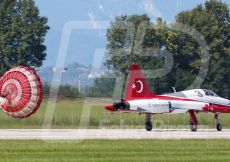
x,y
209,93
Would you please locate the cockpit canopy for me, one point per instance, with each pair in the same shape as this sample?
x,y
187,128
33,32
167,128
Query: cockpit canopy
x,y
209,93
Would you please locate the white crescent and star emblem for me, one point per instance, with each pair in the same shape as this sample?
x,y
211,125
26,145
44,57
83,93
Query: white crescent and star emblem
x,y
141,86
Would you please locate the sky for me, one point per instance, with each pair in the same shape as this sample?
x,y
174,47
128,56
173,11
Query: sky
x,y
83,42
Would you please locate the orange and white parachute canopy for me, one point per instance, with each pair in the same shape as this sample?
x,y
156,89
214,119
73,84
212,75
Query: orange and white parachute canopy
x,y
22,89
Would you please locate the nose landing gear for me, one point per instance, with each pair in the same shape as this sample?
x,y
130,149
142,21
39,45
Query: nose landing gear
x,y
193,121
193,127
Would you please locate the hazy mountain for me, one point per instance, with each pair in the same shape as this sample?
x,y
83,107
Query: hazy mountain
x,y
71,75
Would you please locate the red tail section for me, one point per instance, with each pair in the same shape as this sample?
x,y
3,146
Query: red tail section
x,y
137,86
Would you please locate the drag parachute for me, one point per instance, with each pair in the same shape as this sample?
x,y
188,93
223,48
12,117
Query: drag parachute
x,y
21,92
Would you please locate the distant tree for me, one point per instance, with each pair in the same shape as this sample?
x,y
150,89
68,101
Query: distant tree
x,y
46,89
65,91
103,87
22,33
68,91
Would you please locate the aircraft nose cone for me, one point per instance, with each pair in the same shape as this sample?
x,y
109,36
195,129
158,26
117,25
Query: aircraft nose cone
x,y
109,107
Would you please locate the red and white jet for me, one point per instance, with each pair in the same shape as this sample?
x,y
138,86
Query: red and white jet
x,y
140,99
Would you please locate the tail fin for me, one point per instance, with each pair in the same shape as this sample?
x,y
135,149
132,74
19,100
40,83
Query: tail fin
x,y
137,85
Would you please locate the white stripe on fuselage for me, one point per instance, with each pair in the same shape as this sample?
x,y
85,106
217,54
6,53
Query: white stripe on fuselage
x,y
164,106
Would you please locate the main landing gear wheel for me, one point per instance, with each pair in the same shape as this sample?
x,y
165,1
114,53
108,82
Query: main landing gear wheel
x,y
219,126
148,126
193,127
218,122
148,122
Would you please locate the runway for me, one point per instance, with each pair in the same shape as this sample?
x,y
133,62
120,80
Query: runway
x,y
81,134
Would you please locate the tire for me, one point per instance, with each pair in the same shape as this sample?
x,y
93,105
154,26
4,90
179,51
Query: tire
x,y
148,126
193,127
219,127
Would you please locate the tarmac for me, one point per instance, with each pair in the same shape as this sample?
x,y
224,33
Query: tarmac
x,y
83,134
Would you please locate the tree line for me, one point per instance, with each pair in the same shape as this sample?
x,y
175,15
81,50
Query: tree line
x,y
23,30
211,20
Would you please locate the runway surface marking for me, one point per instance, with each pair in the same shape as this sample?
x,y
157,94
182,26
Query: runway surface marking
x,y
81,134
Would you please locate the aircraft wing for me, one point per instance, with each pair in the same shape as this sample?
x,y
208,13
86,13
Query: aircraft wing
x,y
179,111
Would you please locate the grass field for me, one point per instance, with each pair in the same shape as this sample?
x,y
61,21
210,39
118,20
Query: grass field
x,y
67,114
116,151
